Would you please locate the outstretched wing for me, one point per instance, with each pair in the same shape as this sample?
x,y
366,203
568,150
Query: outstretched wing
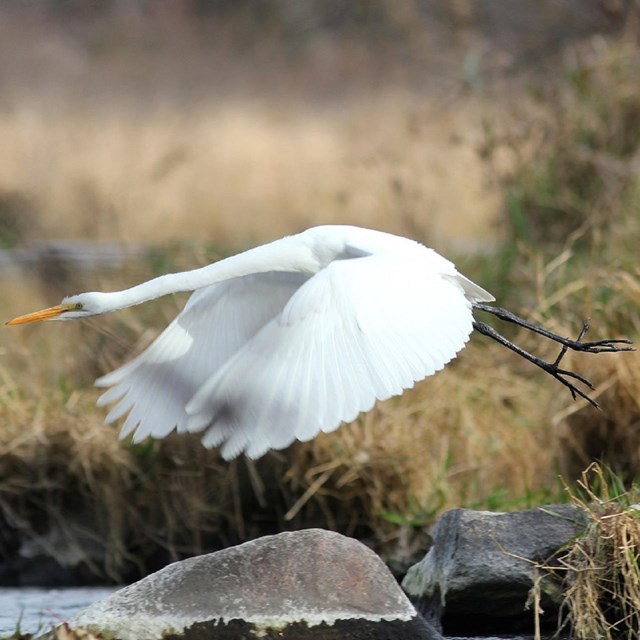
x,y
155,387
359,330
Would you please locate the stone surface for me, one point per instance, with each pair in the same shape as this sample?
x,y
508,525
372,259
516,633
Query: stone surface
x,y
305,584
482,563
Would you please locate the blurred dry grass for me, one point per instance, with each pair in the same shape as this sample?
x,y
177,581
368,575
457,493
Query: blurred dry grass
x,y
452,440
236,174
213,174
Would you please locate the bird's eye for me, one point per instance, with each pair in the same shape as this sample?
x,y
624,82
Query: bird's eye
x,y
79,306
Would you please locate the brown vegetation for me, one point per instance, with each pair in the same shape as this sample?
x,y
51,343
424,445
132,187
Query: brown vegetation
x,y
600,569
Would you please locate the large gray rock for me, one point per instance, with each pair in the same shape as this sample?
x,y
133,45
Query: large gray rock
x,y
306,584
483,563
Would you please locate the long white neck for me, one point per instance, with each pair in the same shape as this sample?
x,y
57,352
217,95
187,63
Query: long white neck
x,y
280,255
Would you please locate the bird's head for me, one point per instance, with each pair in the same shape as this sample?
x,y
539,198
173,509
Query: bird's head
x,y
82,305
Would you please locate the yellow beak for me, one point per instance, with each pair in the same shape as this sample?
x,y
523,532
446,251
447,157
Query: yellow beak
x,y
44,314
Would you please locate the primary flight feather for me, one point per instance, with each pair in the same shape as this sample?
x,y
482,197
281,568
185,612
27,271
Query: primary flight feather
x,y
293,337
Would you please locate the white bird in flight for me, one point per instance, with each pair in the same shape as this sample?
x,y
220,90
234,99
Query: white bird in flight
x,y
297,336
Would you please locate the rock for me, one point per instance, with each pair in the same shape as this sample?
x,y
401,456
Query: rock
x,y
305,584
482,564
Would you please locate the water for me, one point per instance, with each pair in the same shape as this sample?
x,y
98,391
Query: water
x,y
39,609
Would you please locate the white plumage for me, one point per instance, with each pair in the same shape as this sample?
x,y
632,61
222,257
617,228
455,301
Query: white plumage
x,y
288,339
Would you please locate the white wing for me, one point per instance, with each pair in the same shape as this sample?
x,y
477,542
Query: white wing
x,y
216,321
359,330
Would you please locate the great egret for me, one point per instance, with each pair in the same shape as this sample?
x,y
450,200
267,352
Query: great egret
x,y
296,336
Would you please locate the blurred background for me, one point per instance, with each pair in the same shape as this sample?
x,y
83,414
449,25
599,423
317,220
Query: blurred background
x,y
144,136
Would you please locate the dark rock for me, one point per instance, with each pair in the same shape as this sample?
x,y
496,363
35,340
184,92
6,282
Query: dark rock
x,y
304,584
482,564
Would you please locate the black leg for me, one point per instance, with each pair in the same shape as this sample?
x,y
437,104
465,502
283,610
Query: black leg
x,y
552,369
563,376
597,346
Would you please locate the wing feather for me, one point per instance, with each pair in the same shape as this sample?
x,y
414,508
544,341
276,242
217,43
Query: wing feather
x,y
360,329
257,361
216,321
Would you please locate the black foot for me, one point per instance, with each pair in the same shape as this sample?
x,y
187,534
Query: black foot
x,y
564,376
